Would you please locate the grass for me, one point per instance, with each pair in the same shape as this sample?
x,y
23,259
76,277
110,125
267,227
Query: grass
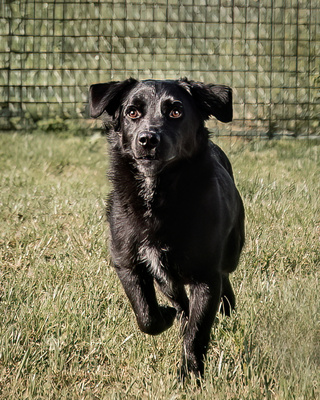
x,y
66,328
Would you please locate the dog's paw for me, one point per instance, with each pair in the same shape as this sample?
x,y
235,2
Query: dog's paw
x,y
157,322
168,314
186,374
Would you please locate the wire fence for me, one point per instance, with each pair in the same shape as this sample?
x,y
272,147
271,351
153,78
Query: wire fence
x,y
268,51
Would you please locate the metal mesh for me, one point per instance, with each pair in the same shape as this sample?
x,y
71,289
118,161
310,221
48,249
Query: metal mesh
x,y
268,51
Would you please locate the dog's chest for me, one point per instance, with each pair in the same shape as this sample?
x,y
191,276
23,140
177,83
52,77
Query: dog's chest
x,y
155,258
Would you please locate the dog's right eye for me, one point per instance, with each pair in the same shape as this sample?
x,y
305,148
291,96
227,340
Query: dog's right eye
x,y
133,113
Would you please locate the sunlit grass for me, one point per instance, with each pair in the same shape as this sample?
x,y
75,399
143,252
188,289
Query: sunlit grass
x,y
66,328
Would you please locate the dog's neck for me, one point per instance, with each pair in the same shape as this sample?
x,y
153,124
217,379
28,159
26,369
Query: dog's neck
x,y
147,185
153,191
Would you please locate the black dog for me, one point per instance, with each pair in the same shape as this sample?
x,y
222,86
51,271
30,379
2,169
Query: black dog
x,y
175,215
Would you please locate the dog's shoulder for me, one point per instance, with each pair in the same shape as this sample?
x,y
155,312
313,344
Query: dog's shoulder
x,y
218,155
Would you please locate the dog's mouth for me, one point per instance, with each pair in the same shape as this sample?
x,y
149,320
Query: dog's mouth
x,y
147,158
154,159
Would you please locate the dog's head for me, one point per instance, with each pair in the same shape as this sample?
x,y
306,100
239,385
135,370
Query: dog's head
x,y
157,122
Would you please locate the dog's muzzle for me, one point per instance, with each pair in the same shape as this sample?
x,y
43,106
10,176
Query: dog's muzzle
x,y
152,152
148,140
147,145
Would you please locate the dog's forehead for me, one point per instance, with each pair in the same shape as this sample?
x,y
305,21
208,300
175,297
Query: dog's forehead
x,y
156,89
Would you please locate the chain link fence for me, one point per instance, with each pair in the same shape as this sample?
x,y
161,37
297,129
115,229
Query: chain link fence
x,y
268,51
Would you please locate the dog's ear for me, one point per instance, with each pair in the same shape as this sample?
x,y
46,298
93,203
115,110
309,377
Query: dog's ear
x,y
108,96
212,100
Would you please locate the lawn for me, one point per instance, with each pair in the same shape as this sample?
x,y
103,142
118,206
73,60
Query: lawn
x,y
66,328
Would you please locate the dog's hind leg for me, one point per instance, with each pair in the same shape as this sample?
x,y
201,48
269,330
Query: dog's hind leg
x,y
139,287
177,295
227,296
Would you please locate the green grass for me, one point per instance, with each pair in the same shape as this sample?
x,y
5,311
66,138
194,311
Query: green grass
x,y
66,328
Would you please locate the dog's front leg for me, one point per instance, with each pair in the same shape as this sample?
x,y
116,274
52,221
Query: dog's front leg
x,y
204,303
139,287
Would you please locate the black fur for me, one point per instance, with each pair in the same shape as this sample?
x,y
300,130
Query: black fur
x,y
175,215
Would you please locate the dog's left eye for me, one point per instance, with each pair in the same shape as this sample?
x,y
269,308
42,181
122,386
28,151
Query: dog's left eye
x,y
175,113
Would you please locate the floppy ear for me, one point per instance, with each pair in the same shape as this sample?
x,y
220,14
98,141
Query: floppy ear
x,y
108,96
212,100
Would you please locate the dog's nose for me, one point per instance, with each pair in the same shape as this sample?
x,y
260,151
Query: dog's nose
x,y
149,140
